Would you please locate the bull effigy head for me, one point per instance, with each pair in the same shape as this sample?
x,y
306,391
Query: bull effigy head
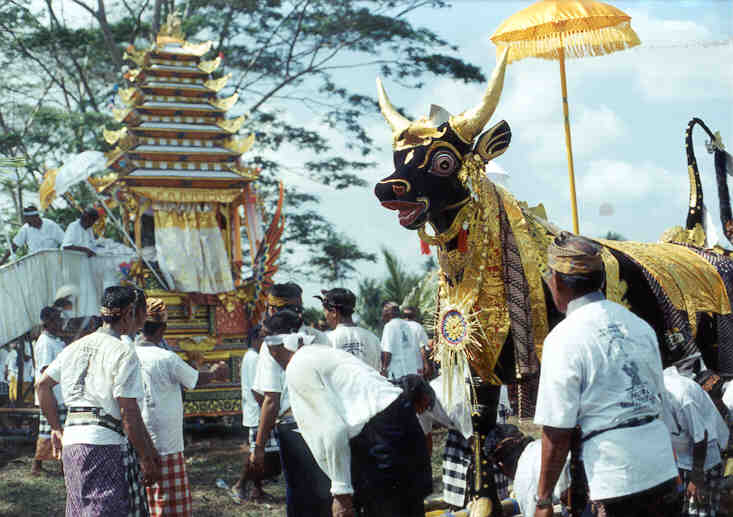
x,y
430,152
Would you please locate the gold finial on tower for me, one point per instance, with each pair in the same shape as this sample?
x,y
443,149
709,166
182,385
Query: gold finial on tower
x,y
171,31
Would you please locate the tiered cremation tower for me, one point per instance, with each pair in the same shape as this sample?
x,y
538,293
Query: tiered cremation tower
x,y
185,199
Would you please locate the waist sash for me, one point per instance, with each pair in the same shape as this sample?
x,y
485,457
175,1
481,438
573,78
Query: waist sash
x,y
93,416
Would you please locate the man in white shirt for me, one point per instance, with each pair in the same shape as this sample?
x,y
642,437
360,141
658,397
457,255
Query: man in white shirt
x,y
602,371
356,423
698,435
519,457
290,296
250,420
79,235
400,352
306,484
20,382
101,382
47,347
338,307
164,373
37,233
421,337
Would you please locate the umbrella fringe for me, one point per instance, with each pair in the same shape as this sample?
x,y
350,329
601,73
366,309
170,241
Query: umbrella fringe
x,y
596,42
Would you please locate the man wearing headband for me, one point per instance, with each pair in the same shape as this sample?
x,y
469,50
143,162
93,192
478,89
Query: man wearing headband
x,y
602,372
361,429
164,373
104,434
338,306
698,434
290,296
79,235
38,233
400,351
306,485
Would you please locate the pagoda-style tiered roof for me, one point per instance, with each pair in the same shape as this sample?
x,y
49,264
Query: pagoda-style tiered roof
x,y
176,133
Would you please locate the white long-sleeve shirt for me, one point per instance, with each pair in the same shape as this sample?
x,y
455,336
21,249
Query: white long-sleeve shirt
x,y
333,395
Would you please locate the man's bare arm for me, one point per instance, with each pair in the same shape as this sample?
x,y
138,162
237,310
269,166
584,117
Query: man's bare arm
x,y
220,372
139,437
386,359
49,406
555,447
270,410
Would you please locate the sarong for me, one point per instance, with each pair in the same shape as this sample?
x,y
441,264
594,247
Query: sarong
x,y
708,495
272,442
44,449
308,489
663,500
390,467
135,503
171,496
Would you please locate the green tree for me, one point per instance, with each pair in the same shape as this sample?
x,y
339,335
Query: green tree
x,y
369,304
399,282
336,261
283,56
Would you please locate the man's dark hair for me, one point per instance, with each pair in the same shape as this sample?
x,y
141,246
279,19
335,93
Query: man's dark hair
x,y
140,299
585,283
151,327
49,313
392,307
510,444
252,334
411,313
283,321
414,386
117,297
339,299
91,213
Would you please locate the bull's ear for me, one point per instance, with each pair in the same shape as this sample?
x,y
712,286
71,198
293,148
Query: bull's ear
x,y
494,142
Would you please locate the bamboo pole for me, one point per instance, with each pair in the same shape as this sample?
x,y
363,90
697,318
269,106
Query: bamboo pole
x,y
568,144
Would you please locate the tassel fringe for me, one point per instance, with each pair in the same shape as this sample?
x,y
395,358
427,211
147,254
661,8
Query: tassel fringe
x,y
576,43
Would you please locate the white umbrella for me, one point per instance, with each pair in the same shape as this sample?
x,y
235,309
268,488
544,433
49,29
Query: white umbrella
x,y
78,167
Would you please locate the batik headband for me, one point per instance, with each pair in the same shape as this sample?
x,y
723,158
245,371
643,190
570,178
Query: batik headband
x,y
157,310
276,301
573,258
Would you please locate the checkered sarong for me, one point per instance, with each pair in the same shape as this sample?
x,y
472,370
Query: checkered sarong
x,y
171,496
456,462
44,428
272,444
709,495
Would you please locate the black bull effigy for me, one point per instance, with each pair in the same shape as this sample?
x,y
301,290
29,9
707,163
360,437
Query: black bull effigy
x,y
493,306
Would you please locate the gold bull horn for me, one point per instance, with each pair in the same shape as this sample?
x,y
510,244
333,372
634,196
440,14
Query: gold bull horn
x,y
470,123
397,122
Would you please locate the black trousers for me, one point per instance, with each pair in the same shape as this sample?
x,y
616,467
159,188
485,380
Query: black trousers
x,y
663,500
308,488
390,466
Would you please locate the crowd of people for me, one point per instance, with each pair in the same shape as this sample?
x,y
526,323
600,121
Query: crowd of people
x,y
347,417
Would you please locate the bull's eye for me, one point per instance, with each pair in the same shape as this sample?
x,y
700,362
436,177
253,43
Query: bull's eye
x,y
444,163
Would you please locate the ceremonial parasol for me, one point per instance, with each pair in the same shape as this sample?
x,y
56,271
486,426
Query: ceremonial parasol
x,y
556,29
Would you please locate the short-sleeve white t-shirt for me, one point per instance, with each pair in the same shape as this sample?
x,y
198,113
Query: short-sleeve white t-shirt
x,y
11,362
164,373
692,415
250,408
48,236
270,377
76,235
94,371
357,341
421,337
45,350
601,367
398,339
527,478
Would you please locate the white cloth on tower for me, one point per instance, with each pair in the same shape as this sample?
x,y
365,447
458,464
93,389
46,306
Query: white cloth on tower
x,y
48,236
398,339
357,341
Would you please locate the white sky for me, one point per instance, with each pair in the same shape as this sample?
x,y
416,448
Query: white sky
x,y
628,114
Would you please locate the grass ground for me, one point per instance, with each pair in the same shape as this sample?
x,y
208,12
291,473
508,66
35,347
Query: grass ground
x,y
209,456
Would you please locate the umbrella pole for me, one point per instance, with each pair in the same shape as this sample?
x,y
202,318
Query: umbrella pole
x,y
568,144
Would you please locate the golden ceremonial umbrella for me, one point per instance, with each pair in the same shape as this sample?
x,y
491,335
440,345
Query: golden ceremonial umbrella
x,y
556,29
